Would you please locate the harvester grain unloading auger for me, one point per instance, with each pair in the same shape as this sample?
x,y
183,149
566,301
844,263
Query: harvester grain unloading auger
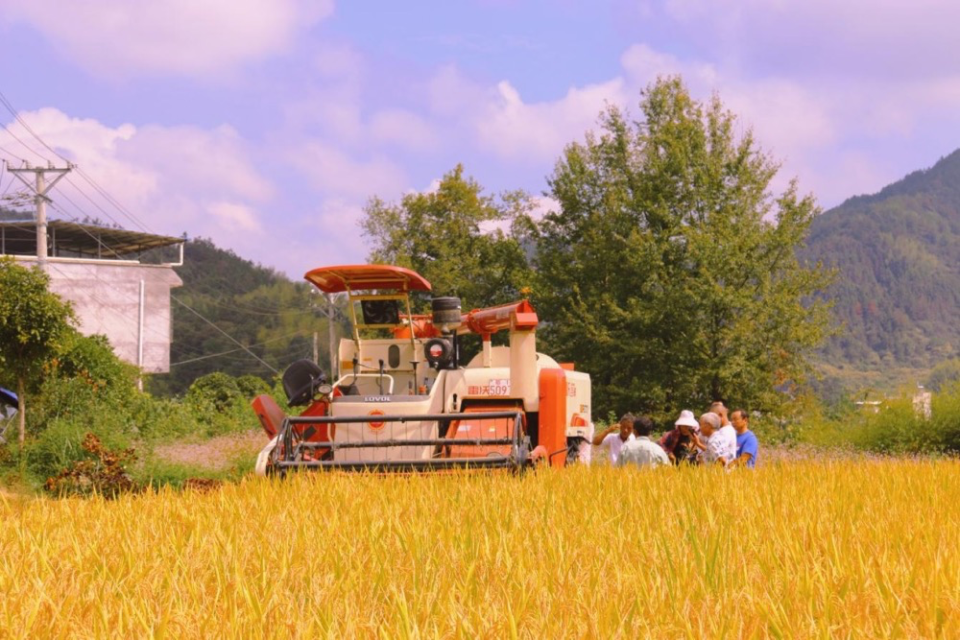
x,y
406,402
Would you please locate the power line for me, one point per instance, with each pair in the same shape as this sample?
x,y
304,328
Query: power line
x,y
9,106
83,174
24,145
223,353
6,103
232,339
109,198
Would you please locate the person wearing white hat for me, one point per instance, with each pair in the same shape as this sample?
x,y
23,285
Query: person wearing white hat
x,y
678,442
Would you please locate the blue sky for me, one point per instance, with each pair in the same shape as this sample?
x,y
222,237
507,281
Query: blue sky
x,y
267,124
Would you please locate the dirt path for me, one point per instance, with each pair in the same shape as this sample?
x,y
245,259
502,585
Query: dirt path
x,y
215,454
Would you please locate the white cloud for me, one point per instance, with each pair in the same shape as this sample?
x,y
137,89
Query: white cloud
x,y
171,179
179,37
200,160
450,94
537,132
862,38
331,170
403,128
235,216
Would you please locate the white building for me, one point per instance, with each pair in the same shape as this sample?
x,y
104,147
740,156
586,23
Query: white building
x,y
99,270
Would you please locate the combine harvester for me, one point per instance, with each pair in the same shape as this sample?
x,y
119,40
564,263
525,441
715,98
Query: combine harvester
x,y
404,401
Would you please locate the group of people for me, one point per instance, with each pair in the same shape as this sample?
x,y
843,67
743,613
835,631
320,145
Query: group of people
x,y
718,437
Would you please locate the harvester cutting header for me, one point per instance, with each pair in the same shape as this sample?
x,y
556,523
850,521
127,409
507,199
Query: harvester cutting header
x,y
407,402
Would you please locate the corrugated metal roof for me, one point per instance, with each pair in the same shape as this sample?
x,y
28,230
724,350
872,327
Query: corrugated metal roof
x,y
20,238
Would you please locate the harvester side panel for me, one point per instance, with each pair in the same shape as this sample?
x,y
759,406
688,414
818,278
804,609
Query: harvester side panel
x,y
578,409
553,414
498,428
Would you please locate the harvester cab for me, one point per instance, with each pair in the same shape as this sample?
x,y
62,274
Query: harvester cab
x,y
403,400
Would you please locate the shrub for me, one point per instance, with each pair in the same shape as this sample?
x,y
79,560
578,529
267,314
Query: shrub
x,y
251,386
217,390
61,445
101,472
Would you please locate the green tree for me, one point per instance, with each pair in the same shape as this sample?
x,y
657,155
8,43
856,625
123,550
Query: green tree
x,y
451,236
32,323
669,270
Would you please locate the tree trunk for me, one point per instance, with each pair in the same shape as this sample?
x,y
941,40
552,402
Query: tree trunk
x,y
22,412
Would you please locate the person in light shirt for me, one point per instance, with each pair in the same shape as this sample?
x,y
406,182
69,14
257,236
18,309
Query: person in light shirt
x,y
717,444
721,410
641,451
614,437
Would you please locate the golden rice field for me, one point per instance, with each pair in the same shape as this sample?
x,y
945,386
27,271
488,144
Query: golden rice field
x,y
805,549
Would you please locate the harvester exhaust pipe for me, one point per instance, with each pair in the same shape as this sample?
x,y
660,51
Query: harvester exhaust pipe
x,y
521,319
523,367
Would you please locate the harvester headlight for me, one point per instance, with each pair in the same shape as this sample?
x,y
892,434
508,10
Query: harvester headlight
x,y
439,352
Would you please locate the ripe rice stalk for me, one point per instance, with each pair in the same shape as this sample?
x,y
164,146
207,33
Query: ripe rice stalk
x,y
799,549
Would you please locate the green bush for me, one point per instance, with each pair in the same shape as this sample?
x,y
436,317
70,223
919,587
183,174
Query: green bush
x,y
251,387
945,418
60,446
214,390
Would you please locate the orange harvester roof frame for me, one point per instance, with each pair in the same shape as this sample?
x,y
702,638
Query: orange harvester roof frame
x,y
364,277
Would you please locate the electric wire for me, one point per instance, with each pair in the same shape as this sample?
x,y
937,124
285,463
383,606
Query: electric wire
x,y
100,281
6,103
83,174
232,339
223,353
9,107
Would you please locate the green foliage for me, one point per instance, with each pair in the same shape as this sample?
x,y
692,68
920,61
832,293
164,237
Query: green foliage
x,y
159,473
33,322
217,390
60,445
944,374
669,271
251,386
894,427
449,236
92,358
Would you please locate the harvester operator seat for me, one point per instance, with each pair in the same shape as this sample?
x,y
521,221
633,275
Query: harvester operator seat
x,y
349,389
301,380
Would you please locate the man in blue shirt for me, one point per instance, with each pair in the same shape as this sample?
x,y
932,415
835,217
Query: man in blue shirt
x,y
747,445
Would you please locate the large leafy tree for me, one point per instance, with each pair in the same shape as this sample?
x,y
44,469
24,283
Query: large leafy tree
x,y
33,321
459,239
668,271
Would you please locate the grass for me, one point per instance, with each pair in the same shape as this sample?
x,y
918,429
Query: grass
x,y
804,549
157,473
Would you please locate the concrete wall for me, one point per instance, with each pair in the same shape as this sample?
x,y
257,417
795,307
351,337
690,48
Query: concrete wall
x,y
106,298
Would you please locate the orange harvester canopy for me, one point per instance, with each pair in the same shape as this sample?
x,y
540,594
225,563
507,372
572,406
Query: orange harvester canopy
x,y
362,277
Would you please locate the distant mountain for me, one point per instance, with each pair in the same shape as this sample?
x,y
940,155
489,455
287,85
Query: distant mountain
x,y
898,256
257,306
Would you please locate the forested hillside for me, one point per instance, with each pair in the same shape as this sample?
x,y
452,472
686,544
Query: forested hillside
x,y
898,256
259,307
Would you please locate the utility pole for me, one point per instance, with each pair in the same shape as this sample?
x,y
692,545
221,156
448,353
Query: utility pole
x,y
41,190
316,354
